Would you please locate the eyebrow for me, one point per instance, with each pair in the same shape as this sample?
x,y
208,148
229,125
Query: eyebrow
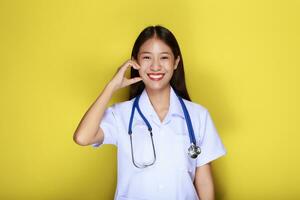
x,y
165,52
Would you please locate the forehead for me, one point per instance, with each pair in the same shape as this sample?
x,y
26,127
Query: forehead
x,y
155,45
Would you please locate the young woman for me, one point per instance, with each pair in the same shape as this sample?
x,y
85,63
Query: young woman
x,y
165,141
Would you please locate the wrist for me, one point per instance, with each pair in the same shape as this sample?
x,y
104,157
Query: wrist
x,y
111,86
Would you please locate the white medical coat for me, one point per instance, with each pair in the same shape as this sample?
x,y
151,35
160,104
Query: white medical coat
x,y
172,175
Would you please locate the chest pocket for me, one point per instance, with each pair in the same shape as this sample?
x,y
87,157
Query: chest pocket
x,y
181,159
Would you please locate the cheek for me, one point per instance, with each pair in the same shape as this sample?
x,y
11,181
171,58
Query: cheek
x,y
144,64
142,71
169,68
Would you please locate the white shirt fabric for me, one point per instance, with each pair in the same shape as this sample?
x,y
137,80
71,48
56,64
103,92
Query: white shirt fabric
x,y
172,175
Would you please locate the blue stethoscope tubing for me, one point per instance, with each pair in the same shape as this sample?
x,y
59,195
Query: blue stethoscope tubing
x,y
193,150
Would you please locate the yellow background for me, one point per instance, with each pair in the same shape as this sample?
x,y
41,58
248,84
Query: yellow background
x,y
241,61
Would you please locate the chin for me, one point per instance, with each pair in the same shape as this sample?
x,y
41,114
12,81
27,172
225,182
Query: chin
x,y
156,86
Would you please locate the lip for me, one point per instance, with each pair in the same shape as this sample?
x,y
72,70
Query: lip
x,y
155,74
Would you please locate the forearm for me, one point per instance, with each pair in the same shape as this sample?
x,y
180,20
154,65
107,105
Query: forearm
x,y
206,191
89,123
204,182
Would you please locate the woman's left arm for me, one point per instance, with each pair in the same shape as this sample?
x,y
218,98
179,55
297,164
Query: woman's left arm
x,y
204,182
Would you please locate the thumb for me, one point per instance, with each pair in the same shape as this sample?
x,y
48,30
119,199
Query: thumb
x,y
135,79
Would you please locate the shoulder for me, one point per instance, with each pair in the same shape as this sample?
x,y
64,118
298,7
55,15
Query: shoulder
x,y
195,108
122,107
199,115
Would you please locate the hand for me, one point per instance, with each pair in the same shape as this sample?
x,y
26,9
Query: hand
x,y
119,80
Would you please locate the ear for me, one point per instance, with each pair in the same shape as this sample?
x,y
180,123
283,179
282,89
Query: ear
x,y
176,62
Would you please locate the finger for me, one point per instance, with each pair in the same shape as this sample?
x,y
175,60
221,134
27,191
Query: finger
x,y
137,66
134,63
136,79
128,64
133,80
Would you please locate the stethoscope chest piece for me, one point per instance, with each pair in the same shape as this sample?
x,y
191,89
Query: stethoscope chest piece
x,y
194,151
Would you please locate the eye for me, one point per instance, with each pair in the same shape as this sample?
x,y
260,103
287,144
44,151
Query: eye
x,y
165,57
146,57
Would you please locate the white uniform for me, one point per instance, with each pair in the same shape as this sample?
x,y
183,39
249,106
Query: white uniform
x,y
172,175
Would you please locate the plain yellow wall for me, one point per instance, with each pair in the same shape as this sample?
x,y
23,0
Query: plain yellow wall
x,y
241,61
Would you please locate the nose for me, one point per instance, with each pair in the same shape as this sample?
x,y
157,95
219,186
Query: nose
x,y
155,66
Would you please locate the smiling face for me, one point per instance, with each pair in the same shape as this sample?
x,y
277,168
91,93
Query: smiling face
x,y
157,64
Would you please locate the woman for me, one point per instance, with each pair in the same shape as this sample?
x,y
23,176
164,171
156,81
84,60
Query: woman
x,y
151,129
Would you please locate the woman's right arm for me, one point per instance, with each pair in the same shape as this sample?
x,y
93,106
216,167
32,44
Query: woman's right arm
x,y
88,131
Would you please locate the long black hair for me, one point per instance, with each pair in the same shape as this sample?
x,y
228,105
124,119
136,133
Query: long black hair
x,y
178,80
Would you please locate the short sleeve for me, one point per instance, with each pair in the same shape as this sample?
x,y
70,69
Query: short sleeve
x,y
109,126
210,142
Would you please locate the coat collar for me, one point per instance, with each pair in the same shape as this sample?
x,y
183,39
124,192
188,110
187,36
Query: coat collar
x,y
147,109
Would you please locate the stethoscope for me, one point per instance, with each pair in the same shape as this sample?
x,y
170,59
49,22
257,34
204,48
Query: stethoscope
x,y
193,150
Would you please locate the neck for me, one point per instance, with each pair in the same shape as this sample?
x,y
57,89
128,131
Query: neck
x,y
160,99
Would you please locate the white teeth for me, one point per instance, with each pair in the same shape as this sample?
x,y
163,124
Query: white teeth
x,y
155,76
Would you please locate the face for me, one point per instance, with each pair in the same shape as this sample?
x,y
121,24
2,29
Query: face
x,y
157,64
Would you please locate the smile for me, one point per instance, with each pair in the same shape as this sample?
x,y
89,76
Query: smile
x,y
155,77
